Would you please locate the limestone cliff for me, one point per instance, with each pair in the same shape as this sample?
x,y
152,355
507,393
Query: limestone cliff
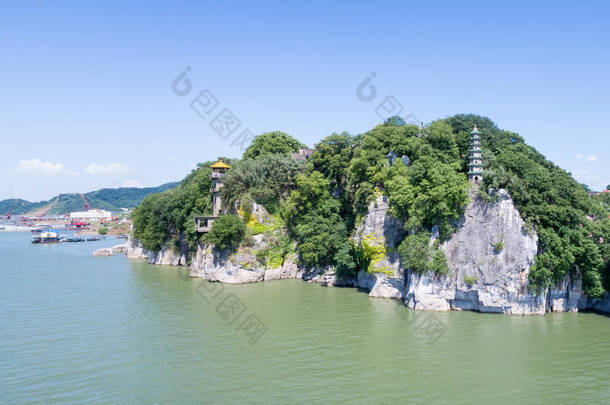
x,y
248,263
489,257
384,277
167,256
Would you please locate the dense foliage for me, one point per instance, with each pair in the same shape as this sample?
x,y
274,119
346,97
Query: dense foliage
x,y
265,180
313,217
272,143
346,172
573,228
227,232
169,216
418,255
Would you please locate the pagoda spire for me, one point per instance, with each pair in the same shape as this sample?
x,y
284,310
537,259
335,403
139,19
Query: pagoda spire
x,y
475,158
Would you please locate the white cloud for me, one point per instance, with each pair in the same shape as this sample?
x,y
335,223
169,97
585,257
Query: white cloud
x,y
38,167
132,183
590,158
110,168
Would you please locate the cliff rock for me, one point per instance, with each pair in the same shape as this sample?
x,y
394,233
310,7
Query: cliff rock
x,y
384,278
489,257
135,249
213,264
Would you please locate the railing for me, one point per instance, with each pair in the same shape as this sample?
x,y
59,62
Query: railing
x,y
216,175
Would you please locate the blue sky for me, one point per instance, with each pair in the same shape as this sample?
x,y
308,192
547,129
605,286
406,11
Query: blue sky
x,y
86,98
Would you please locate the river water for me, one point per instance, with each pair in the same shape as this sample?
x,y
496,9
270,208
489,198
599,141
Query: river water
x,y
82,329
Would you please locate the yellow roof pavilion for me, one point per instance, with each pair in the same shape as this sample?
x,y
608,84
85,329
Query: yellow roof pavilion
x,y
220,165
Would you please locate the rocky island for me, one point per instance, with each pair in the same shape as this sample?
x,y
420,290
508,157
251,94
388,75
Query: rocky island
x,y
457,215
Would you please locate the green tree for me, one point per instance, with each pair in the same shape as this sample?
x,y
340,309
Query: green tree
x,y
267,180
314,221
395,120
568,221
426,194
228,231
272,143
419,256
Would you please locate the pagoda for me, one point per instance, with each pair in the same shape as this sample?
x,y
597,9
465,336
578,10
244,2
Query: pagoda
x,y
475,164
219,169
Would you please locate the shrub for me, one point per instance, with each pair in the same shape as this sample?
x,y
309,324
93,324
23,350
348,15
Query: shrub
x,y
103,230
470,280
227,232
417,255
499,245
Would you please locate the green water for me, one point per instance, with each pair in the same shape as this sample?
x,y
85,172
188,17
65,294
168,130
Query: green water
x,y
83,329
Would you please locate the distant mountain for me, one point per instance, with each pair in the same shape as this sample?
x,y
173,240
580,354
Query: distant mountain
x,y
112,199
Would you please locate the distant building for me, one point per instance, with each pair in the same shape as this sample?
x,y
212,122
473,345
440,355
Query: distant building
x,y
91,215
475,165
302,154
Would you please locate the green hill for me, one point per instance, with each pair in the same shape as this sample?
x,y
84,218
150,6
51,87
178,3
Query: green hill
x,y
320,202
112,199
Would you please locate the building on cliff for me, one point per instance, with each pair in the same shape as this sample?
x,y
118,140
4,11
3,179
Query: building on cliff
x,y
204,224
475,164
303,154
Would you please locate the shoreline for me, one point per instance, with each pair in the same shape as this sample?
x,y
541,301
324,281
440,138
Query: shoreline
x,y
14,228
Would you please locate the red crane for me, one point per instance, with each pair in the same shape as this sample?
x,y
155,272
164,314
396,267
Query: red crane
x,y
86,205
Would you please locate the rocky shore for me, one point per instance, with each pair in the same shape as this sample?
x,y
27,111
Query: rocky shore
x,y
489,257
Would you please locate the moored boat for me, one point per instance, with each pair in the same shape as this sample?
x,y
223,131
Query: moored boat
x,y
48,237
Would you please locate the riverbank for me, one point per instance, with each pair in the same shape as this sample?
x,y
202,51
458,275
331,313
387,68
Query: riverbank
x,y
481,277
14,228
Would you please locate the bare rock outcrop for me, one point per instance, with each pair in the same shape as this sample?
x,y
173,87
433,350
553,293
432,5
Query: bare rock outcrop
x,y
103,252
325,276
489,257
120,249
135,249
289,269
382,232
213,264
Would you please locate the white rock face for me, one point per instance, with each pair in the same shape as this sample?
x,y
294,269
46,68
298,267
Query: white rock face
x,y
214,265
381,285
288,270
493,251
167,257
122,248
135,249
103,252
325,276
568,296
385,278
112,250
